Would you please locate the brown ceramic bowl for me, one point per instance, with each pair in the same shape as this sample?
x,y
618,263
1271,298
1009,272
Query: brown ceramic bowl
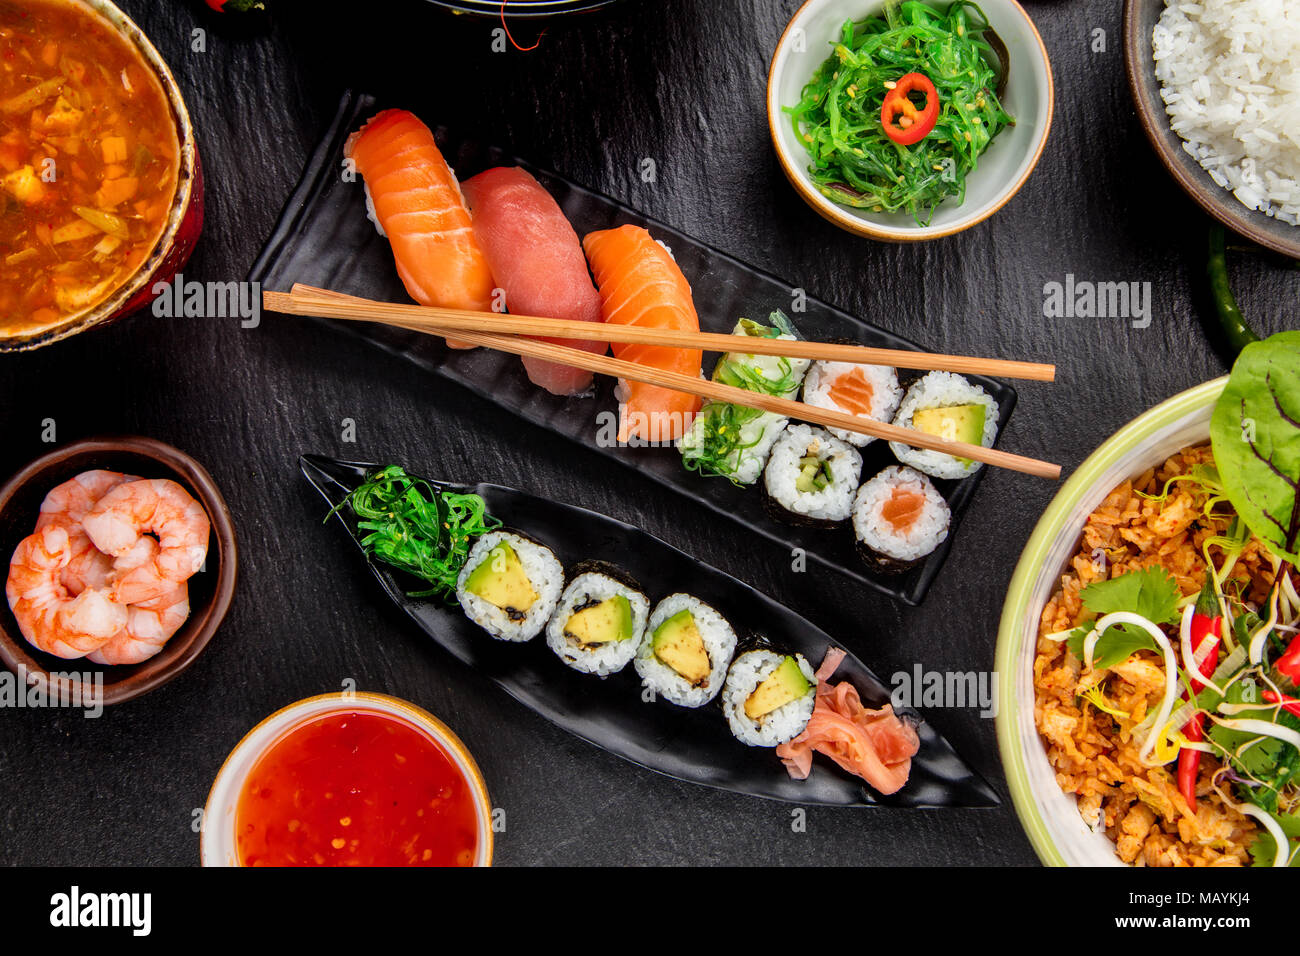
x,y
1140,18
211,590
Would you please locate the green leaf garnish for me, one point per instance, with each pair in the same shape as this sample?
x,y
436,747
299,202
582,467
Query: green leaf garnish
x,y
1150,592
1255,433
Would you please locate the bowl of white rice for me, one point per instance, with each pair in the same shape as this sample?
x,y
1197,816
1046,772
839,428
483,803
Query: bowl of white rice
x,y
1217,88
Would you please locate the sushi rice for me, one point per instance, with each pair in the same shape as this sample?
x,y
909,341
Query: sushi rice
x,y
943,390
886,394
589,588
544,572
831,504
719,642
786,722
882,538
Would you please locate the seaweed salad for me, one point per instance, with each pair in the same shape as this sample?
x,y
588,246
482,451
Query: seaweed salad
x,y
898,115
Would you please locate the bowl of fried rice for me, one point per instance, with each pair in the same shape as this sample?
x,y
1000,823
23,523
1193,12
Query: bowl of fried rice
x,y
1088,787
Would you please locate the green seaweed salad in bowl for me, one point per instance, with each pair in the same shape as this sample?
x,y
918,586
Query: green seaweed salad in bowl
x,y
909,120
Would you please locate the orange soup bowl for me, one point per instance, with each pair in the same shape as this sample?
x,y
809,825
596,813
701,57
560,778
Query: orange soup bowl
x,y
263,811
174,217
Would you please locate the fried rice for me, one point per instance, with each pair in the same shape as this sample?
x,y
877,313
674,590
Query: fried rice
x,y
1094,754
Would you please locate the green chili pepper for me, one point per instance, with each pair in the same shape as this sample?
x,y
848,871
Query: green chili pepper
x,y
1233,323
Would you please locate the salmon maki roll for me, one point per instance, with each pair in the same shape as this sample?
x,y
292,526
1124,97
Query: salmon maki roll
x,y
414,199
537,261
640,284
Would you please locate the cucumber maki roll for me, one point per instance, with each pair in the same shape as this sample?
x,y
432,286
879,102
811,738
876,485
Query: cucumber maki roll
x,y
768,697
949,406
811,477
733,441
868,391
509,585
599,623
899,518
685,652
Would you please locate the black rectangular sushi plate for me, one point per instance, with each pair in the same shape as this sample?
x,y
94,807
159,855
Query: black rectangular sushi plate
x,y
324,239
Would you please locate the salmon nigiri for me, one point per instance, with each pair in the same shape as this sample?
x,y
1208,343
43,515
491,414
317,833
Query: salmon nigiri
x,y
537,261
640,284
416,202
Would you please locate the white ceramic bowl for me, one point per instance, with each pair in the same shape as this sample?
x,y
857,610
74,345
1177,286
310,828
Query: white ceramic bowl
x,y
217,846
1004,166
1049,815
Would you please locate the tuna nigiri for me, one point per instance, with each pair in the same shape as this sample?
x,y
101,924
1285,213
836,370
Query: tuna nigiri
x,y
416,202
640,284
537,261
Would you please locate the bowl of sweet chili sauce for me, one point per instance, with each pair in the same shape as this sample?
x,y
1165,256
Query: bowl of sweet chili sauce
x,y
101,187
356,779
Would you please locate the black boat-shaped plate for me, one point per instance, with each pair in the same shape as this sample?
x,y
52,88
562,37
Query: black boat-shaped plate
x,y
324,239
690,744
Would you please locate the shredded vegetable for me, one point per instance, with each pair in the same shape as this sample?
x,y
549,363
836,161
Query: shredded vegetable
x,y
838,118
417,528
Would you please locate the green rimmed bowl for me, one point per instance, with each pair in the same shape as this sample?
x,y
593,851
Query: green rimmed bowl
x,y
1050,816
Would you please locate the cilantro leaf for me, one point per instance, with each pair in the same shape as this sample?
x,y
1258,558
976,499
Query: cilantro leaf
x,y
1263,850
1118,644
1151,592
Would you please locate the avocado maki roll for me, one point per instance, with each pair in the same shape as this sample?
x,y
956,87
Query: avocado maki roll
x,y
599,623
768,697
812,476
947,405
868,391
899,518
509,585
684,654
733,441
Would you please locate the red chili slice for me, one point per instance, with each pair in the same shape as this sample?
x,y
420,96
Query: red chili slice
x,y
903,122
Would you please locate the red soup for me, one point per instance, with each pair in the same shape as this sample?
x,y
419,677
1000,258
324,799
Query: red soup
x,y
356,788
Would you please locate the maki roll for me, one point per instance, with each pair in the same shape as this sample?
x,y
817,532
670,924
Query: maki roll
x,y
684,654
509,585
949,406
899,517
733,441
811,476
768,697
599,623
869,391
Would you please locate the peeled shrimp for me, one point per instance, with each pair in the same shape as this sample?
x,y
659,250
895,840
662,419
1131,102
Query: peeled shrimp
x,y
67,505
48,616
150,624
158,506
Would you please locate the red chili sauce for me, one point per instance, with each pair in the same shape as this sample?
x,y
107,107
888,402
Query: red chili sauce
x,y
356,789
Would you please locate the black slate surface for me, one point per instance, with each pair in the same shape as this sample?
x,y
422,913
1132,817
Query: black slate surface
x,y
681,82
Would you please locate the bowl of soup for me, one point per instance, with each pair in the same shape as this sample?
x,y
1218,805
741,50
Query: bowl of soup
x,y
100,181
348,779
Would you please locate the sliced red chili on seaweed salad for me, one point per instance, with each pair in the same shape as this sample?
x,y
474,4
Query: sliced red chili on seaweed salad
x,y
867,149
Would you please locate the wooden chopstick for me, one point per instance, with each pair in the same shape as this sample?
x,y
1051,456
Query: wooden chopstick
x,y
501,323
325,303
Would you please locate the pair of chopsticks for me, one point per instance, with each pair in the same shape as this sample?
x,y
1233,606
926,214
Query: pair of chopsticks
x,y
505,332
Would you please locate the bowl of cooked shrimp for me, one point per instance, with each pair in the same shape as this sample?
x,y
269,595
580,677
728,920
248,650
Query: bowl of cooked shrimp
x,y
122,565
